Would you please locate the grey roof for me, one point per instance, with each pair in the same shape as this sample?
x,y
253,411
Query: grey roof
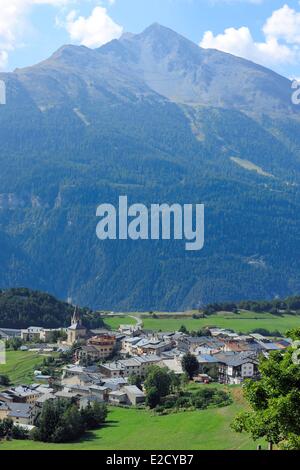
x,y
79,388
148,358
269,346
98,388
100,331
115,381
9,332
46,397
133,389
34,329
19,410
64,394
207,359
23,391
237,359
118,393
133,340
77,327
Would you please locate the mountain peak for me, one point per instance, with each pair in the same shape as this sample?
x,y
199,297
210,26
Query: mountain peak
x,y
157,30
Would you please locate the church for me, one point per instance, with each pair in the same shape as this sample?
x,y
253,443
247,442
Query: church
x,y
77,330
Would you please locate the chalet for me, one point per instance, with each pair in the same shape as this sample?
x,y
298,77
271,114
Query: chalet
x,y
234,370
19,413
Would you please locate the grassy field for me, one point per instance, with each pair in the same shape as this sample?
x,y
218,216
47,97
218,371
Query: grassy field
x,y
115,322
129,429
20,366
244,322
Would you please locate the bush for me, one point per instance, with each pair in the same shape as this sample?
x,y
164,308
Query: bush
x,y
61,421
202,399
4,380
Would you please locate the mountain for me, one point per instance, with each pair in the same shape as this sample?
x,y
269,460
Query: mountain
x,y
20,308
155,117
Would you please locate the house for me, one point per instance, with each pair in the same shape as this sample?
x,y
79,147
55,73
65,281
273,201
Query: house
x,y
115,383
112,369
21,394
117,397
79,375
127,395
128,344
67,394
31,334
101,392
129,330
19,413
207,361
9,333
84,402
234,370
173,364
199,344
242,345
268,346
98,347
153,347
137,365
43,398
35,334
134,395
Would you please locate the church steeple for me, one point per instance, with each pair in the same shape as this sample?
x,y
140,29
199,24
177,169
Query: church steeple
x,y
76,319
77,330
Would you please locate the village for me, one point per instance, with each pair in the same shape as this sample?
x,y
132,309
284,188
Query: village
x,y
104,362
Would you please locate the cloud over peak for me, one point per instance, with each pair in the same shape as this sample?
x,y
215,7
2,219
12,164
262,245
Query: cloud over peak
x,y
280,45
94,30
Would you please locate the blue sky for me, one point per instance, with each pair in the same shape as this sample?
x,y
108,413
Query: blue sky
x,y
266,31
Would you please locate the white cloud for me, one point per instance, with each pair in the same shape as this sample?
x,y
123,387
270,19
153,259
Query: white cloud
x,y
13,14
240,42
93,31
3,59
284,24
281,38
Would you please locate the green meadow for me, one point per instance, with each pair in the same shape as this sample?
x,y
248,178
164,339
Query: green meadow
x,y
115,322
130,429
20,366
243,322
